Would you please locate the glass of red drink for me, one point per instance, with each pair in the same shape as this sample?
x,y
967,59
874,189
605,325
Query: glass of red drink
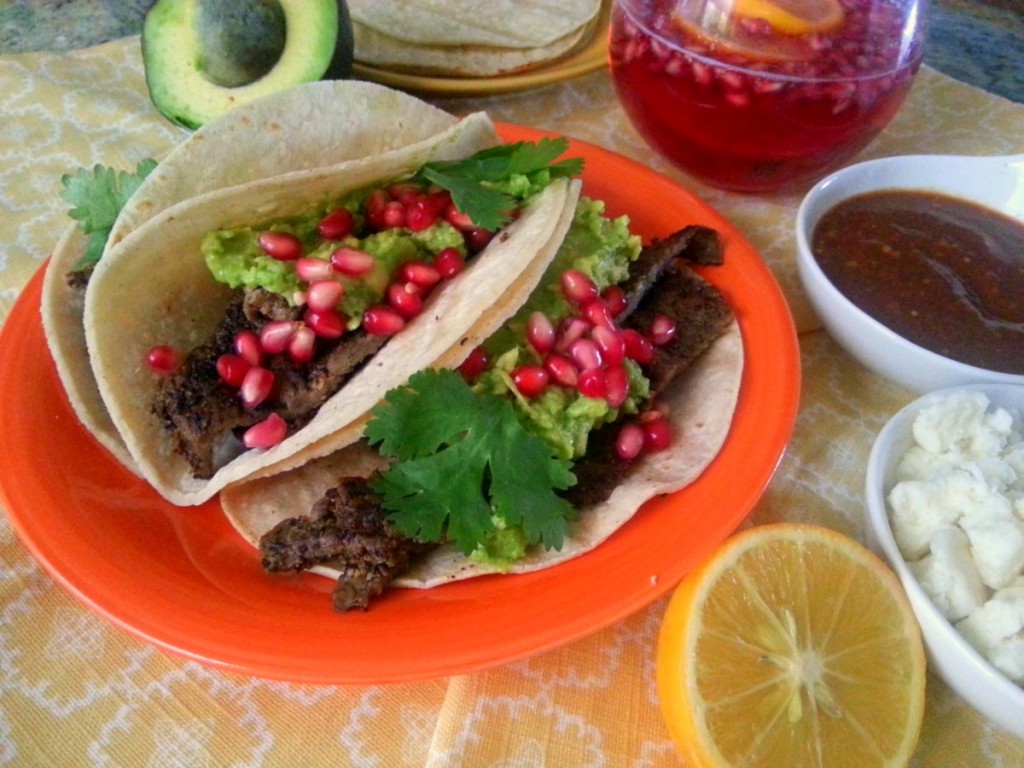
x,y
764,95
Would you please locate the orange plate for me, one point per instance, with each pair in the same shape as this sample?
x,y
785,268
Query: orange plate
x,y
181,578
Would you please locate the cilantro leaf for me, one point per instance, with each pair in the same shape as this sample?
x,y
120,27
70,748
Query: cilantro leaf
x,y
471,181
97,197
462,459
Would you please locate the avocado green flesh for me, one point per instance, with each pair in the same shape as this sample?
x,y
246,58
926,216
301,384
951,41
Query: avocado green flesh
x,y
191,50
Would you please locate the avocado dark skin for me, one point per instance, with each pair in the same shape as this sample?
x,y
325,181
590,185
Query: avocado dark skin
x,y
203,57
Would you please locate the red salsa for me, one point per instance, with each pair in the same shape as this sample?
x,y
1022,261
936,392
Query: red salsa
x,y
945,273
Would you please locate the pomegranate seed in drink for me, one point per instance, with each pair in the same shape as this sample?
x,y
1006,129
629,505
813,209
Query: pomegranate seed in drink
x,y
382,320
419,273
249,347
540,333
473,366
302,344
561,369
282,246
531,380
257,385
267,433
630,441
326,323
577,287
615,299
448,262
163,359
352,262
616,385
275,335
312,270
592,382
662,330
406,299
232,369
638,346
336,225
657,434
324,294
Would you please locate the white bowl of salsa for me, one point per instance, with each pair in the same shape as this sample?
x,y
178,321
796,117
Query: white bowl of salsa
x,y
915,265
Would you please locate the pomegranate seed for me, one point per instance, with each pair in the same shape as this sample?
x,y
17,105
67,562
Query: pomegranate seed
x,y
477,239
460,221
448,262
352,262
324,294
577,287
657,434
598,315
249,347
406,299
405,192
275,335
375,205
630,441
267,433
530,380
585,354
570,329
420,215
561,369
393,215
381,320
336,225
282,246
419,273
540,333
232,369
256,386
326,323
302,344
312,270
616,385
474,365
163,359
610,343
662,330
638,347
592,382
615,298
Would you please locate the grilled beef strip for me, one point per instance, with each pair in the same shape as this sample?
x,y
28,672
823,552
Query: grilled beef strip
x,y
348,527
204,417
660,284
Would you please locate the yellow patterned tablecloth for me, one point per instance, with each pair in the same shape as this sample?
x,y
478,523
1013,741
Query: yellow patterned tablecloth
x,y
77,691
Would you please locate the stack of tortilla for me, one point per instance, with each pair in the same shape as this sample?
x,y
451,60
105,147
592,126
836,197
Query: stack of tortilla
x,y
470,38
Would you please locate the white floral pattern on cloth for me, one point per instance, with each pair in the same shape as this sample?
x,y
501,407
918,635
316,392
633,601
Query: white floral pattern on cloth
x,y
75,691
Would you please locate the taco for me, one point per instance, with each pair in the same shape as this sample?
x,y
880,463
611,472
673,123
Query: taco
x,y
273,329
398,506
289,132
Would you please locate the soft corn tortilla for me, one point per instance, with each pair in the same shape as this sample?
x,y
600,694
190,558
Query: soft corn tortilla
x,y
314,125
154,288
501,23
702,403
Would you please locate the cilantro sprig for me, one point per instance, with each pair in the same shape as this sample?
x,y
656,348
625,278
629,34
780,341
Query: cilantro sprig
x,y
97,197
473,181
463,459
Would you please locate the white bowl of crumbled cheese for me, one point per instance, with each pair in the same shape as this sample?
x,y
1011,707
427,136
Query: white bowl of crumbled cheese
x,y
945,507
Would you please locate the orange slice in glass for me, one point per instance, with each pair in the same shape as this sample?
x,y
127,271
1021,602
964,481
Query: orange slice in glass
x,y
792,17
793,646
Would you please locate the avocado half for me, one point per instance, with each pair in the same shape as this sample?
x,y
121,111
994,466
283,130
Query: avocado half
x,y
204,57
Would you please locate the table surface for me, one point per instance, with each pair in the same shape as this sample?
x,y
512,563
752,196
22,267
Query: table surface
x,y
75,690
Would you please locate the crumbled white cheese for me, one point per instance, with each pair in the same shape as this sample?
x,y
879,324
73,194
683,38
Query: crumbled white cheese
x,y
957,513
